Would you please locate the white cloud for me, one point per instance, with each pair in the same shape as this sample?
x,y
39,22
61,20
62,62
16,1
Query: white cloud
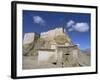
x,y
70,23
38,20
81,27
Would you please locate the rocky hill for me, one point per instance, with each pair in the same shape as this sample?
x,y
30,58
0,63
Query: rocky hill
x,y
33,41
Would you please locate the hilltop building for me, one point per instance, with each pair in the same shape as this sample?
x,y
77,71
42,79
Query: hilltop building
x,y
53,47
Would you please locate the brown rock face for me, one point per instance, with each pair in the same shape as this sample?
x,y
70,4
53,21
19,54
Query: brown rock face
x,y
33,41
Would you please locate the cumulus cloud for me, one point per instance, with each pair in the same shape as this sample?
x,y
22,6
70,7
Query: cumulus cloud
x,y
70,23
38,20
80,26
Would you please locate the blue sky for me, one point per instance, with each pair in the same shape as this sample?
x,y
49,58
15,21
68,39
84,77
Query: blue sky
x,y
77,25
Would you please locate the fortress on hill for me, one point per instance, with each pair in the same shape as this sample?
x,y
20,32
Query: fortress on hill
x,y
51,47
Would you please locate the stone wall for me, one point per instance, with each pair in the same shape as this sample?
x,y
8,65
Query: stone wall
x,y
29,38
52,33
68,56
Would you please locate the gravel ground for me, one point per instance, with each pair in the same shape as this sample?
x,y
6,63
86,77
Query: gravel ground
x,y
30,62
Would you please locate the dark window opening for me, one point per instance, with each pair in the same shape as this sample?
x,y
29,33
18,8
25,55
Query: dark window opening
x,y
54,63
67,54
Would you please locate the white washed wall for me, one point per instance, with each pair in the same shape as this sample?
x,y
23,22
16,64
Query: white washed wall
x,y
28,38
46,56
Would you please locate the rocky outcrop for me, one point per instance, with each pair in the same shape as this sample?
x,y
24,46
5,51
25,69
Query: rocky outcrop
x,y
53,48
29,42
33,41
